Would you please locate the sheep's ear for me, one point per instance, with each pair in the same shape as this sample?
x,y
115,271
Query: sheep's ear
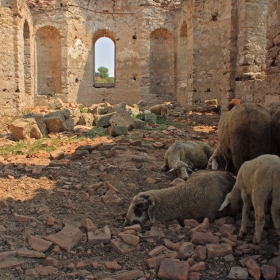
x,y
226,202
152,212
214,164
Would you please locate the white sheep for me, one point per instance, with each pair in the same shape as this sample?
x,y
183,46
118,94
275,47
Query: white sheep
x,y
160,110
182,156
258,179
197,198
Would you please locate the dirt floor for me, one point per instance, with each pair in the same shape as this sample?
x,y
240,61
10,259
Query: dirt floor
x,y
39,196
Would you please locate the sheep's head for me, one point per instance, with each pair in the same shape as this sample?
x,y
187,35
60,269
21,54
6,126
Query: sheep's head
x,y
233,200
181,168
141,209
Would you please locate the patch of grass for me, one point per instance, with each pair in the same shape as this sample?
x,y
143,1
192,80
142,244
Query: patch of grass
x,y
83,109
100,131
134,137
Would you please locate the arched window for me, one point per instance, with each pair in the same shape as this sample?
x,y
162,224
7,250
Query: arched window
x,y
104,59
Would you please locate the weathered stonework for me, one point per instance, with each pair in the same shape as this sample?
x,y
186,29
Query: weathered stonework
x,y
186,51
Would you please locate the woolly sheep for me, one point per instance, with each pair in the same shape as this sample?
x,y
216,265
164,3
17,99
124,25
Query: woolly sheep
x,y
258,179
160,110
182,156
244,134
197,198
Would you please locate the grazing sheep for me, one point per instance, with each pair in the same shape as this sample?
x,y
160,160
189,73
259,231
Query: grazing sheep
x,y
160,110
233,102
197,198
182,156
244,133
258,179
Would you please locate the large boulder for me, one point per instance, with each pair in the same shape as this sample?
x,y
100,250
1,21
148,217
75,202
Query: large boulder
x,y
86,119
122,118
25,128
40,120
116,130
59,121
103,120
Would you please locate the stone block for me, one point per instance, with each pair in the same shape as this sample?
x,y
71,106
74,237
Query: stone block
x,y
67,238
99,236
202,238
237,273
122,247
38,244
218,250
185,251
172,269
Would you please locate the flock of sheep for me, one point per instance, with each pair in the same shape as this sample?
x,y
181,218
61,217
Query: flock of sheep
x,y
249,147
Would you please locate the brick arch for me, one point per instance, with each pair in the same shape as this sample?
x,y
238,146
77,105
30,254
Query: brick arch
x,y
49,63
162,63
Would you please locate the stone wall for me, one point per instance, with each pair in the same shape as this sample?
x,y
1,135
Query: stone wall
x,y
186,51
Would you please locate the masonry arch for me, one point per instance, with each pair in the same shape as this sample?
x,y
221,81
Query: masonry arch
x,y
49,65
106,57
162,63
27,62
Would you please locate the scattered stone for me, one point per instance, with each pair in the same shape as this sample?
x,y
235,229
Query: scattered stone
x,y
203,227
244,260
99,236
172,246
57,154
11,264
200,251
23,219
218,250
227,229
237,273
202,238
129,239
127,275
173,269
155,261
67,238
50,262
198,266
136,227
89,225
38,244
275,262
185,251
113,265
46,270
254,269
24,252
268,271
122,247
81,265
112,199
229,258
191,223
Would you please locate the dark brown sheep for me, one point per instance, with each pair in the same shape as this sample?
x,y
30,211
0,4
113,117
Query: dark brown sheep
x,y
244,133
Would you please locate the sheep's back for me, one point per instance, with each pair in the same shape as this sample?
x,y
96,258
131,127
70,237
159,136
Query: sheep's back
x,y
244,132
202,195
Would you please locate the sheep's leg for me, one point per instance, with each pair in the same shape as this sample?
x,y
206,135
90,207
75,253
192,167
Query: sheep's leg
x,y
259,206
275,211
245,213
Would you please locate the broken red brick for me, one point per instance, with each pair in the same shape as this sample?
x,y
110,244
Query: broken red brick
x,y
172,269
99,236
198,266
121,247
185,251
38,244
155,261
200,251
204,238
113,265
129,239
268,271
254,269
89,225
67,238
218,250
203,227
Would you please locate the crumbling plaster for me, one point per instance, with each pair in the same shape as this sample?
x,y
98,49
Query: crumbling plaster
x,y
197,50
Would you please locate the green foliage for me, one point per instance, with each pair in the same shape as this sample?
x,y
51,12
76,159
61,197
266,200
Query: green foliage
x,y
83,109
134,137
96,131
103,72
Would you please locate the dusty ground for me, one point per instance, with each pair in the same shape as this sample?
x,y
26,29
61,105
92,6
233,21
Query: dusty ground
x,y
55,193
